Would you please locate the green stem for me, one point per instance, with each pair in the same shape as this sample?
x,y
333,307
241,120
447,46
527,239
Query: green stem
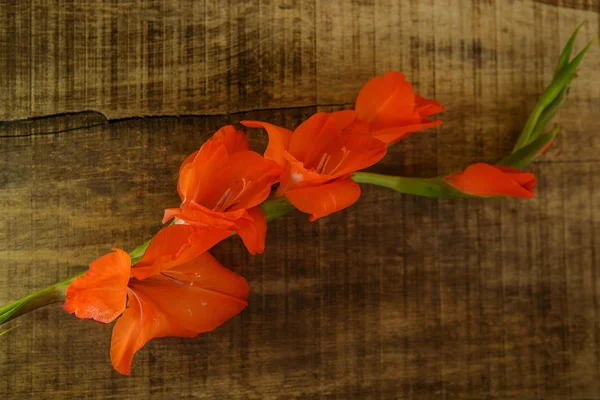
x,y
41,298
426,187
276,207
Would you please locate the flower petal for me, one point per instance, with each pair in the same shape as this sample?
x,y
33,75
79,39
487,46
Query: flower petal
x,y
241,180
279,140
232,139
324,199
393,135
427,107
253,229
196,175
350,153
193,298
196,215
490,180
313,135
200,167
100,294
296,175
387,101
252,176
176,245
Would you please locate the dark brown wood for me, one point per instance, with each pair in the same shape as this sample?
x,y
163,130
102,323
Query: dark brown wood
x,y
396,297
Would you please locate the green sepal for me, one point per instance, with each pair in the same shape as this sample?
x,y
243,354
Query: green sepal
x,y
276,207
525,155
553,91
565,55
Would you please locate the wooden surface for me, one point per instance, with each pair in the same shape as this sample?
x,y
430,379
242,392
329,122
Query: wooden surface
x,y
397,297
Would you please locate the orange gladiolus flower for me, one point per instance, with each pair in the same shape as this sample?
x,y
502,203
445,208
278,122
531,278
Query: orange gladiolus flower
x,y
321,154
221,186
194,297
493,180
390,110
317,160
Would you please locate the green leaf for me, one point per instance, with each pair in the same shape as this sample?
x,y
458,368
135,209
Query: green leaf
x,y
563,78
526,154
563,60
554,90
547,116
551,110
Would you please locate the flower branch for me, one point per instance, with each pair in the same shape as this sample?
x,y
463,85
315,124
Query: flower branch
x,y
172,286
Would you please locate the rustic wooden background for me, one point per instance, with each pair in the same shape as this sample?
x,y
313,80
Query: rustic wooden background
x,y
397,297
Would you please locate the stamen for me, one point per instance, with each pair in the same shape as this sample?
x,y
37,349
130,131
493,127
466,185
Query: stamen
x,y
345,153
323,163
235,201
222,200
177,281
134,295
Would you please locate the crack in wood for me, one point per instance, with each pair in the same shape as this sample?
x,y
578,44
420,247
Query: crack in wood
x,y
108,121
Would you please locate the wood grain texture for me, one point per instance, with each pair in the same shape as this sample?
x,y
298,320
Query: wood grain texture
x,y
397,297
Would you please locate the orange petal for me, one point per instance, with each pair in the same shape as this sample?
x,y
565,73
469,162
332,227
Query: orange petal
x,y
203,167
295,175
176,245
427,107
316,133
181,183
232,139
392,135
195,177
100,294
325,199
252,176
545,149
350,153
387,101
244,180
198,216
170,213
253,230
193,298
279,140
490,180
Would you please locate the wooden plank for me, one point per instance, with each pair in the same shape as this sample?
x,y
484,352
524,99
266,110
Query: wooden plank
x,y
200,57
397,297
454,301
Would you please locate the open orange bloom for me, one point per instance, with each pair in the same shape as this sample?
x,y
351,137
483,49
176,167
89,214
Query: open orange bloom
x,y
493,180
317,160
191,298
390,110
221,186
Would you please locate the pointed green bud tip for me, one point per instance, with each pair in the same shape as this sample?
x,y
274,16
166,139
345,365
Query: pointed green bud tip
x,y
563,60
525,155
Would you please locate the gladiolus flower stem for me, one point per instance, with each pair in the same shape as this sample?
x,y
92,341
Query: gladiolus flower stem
x,y
273,209
529,144
41,298
425,187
